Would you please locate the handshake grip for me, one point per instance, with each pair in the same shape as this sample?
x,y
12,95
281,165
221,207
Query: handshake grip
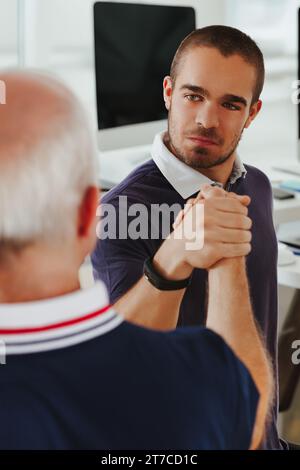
x,y
213,226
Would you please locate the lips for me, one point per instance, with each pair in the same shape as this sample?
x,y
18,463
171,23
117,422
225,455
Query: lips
x,y
203,140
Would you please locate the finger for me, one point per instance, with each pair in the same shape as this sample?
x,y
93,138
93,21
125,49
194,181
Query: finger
x,y
199,196
234,250
208,191
178,219
228,235
228,205
244,199
188,205
235,221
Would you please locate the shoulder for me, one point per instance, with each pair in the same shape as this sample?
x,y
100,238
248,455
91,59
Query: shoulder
x,y
203,361
228,381
191,342
258,186
257,177
204,351
141,183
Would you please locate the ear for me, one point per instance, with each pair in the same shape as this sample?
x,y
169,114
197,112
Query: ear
x,y
168,88
254,110
87,213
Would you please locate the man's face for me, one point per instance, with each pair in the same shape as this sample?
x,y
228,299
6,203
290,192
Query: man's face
x,y
209,106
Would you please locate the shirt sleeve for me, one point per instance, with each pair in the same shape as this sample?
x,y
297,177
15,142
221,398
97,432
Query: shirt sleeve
x,y
233,392
119,261
246,399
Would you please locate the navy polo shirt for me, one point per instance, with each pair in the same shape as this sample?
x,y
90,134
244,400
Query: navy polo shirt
x,y
124,389
118,262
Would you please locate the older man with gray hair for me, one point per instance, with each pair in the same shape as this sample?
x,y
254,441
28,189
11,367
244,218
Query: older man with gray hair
x,y
77,374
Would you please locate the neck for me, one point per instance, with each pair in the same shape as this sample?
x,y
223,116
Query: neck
x,y
36,274
220,173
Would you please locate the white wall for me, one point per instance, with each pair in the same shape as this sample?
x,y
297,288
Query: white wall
x,y
74,23
67,25
8,25
8,33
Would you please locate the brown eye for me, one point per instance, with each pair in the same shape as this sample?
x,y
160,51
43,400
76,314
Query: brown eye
x,y
231,106
193,97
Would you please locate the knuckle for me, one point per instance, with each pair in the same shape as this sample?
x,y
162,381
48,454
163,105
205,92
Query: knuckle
x,y
246,222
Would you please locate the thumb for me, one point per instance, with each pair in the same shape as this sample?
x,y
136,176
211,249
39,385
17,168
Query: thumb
x,y
244,199
208,191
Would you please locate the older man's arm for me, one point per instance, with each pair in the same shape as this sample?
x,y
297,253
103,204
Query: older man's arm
x,y
230,315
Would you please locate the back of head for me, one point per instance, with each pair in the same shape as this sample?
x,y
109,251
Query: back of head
x,y
47,160
228,41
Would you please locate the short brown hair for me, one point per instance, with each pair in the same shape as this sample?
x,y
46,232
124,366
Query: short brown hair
x,y
228,41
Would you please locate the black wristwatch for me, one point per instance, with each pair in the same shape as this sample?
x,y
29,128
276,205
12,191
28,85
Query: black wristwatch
x,y
159,282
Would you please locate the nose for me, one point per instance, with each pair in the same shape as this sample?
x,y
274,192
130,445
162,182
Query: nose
x,y
207,116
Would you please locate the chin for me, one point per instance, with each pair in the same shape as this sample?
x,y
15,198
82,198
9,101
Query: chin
x,y
202,161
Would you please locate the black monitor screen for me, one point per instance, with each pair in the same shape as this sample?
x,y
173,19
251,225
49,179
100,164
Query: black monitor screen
x,y
134,48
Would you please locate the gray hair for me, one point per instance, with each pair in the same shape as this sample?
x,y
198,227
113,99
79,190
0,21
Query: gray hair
x,y
41,190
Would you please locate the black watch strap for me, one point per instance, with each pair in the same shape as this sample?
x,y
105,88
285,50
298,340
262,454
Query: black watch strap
x,y
159,282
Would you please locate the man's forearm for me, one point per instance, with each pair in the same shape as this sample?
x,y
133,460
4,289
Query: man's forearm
x,y
230,315
229,308
147,306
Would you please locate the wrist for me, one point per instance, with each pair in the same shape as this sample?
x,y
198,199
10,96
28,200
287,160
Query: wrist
x,y
232,264
228,273
169,263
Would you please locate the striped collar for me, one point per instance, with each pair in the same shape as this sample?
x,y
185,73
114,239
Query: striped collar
x,y
184,179
57,323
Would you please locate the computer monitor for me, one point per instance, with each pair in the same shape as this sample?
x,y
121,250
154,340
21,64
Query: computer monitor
x,y
134,48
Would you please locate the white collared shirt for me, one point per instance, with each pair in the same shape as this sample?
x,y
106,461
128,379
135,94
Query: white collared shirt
x,y
58,322
184,179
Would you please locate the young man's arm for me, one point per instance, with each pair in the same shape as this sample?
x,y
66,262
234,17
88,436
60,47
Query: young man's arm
x,y
230,315
226,234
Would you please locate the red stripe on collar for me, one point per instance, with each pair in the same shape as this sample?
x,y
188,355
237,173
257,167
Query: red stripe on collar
x,y
17,331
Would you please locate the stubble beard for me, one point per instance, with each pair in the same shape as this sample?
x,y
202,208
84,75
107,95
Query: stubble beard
x,y
201,159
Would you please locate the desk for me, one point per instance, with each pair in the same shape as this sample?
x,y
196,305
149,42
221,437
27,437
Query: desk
x,y
290,275
286,210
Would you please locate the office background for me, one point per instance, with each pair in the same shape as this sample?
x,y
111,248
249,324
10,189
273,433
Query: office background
x,y
57,35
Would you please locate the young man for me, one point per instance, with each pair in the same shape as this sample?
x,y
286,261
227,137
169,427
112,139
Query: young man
x,y
77,375
212,95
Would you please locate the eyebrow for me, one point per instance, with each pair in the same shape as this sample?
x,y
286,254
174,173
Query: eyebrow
x,y
195,89
235,99
206,94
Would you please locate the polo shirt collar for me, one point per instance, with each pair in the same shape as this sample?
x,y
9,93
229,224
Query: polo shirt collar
x,y
184,179
56,323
